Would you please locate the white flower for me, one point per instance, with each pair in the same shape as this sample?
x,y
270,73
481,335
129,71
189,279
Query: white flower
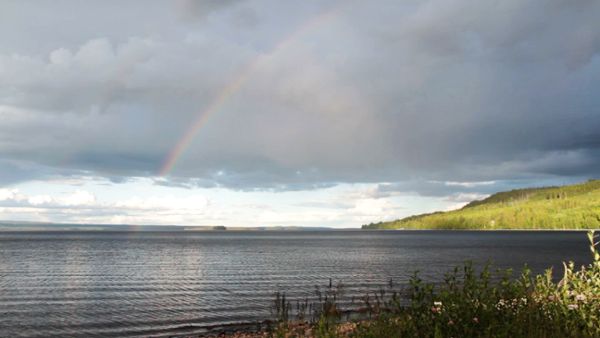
x,y
437,304
573,306
580,298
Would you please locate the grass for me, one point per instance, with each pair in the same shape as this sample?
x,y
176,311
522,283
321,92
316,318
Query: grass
x,y
468,303
568,207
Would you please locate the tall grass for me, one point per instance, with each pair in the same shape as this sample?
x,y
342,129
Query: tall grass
x,y
467,303
321,313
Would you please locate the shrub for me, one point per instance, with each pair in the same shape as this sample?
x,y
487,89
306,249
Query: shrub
x,y
475,304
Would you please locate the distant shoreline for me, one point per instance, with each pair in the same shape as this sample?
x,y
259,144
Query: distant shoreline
x,y
10,226
255,230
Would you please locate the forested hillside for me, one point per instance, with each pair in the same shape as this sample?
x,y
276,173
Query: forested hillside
x,y
567,207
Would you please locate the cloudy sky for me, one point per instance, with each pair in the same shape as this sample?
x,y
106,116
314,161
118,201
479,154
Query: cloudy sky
x,y
309,113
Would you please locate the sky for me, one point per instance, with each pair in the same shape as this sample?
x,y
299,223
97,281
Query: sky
x,y
279,113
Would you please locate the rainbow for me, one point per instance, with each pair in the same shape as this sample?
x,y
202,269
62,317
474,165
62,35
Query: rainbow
x,y
232,87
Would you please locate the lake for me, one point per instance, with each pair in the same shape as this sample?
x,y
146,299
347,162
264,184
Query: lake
x,y
137,284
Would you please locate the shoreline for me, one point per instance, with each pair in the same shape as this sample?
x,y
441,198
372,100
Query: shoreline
x,y
303,230
262,330
489,230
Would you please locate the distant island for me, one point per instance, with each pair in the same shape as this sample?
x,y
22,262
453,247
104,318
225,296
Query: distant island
x,y
566,207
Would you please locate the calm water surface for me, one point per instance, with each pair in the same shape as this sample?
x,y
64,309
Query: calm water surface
x,y
130,284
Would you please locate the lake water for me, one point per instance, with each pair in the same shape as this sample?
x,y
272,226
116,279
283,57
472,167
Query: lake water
x,y
130,284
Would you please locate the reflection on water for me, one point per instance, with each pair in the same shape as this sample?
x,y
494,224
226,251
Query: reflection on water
x,y
81,284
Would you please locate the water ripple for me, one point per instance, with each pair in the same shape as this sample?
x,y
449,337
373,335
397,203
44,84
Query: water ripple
x,y
139,284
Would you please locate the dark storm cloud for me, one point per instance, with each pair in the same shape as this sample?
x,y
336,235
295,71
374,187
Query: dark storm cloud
x,y
14,172
196,9
417,92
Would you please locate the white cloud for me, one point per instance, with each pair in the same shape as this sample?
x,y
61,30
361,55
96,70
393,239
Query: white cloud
x,y
11,195
92,200
372,207
85,206
466,197
195,203
469,184
77,198
38,200
61,57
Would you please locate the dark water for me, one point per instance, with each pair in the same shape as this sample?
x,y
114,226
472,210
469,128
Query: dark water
x,y
80,284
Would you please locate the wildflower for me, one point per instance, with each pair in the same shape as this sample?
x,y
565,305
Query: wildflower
x,y
450,322
551,298
435,309
573,306
475,320
437,304
580,298
501,304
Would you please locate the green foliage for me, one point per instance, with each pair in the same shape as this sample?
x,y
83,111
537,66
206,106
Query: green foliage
x,y
470,303
569,207
322,315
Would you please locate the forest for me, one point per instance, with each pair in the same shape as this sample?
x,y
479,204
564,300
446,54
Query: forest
x,y
565,207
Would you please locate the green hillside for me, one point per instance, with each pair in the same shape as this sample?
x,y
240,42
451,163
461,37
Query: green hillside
x,y
567,207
